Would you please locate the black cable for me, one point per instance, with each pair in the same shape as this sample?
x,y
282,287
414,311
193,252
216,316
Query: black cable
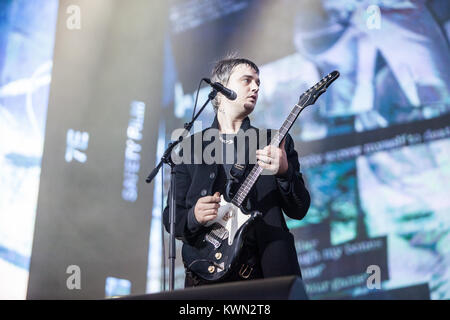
x,y
163,249
196,98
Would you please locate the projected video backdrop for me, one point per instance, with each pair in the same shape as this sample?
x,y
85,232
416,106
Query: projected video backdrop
x,y
374,149
27,33
94,209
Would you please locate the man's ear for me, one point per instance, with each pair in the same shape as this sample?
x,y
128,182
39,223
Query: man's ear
x,y
217,102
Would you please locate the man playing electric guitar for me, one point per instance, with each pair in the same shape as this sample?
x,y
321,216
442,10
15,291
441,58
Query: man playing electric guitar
x,y
220,252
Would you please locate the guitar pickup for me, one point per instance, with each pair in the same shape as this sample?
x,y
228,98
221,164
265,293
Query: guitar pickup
x,y
220,233
216,236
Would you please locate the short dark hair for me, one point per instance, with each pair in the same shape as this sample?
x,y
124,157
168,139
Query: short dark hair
x,y
224,68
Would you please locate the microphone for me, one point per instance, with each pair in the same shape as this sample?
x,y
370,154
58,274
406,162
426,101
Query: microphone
x,y
230,94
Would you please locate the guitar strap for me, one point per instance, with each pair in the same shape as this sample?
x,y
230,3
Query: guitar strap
x,y
237,171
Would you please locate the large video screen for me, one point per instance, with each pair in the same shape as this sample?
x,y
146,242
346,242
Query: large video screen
x,y
27,34
374,149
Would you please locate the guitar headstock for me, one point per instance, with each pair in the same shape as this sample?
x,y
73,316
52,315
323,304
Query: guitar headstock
x,y
312,94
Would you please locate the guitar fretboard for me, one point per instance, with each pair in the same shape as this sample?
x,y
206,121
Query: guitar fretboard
x,y
256,171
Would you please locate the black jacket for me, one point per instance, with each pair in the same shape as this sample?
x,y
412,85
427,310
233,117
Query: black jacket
x,y
271,195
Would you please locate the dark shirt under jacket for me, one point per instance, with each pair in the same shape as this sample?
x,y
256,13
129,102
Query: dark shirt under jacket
x,y
272,244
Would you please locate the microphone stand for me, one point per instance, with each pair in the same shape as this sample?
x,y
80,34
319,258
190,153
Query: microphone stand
x,y
167,159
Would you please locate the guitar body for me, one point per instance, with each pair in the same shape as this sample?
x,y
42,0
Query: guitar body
x,y
215,254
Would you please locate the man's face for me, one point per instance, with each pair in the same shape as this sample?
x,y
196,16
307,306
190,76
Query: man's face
x,y
245,82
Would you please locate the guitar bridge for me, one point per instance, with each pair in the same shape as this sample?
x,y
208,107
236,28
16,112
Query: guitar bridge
x,y
216,235
212,240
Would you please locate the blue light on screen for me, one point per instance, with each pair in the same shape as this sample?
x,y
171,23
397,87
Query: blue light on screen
x,y
27,33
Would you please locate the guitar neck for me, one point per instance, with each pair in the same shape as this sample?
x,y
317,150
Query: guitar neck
x,y
306,99
275,141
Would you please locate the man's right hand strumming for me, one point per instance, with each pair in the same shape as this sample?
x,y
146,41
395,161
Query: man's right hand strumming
x,y
206,208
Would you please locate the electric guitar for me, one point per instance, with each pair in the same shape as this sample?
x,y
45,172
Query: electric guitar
x,y
215,254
